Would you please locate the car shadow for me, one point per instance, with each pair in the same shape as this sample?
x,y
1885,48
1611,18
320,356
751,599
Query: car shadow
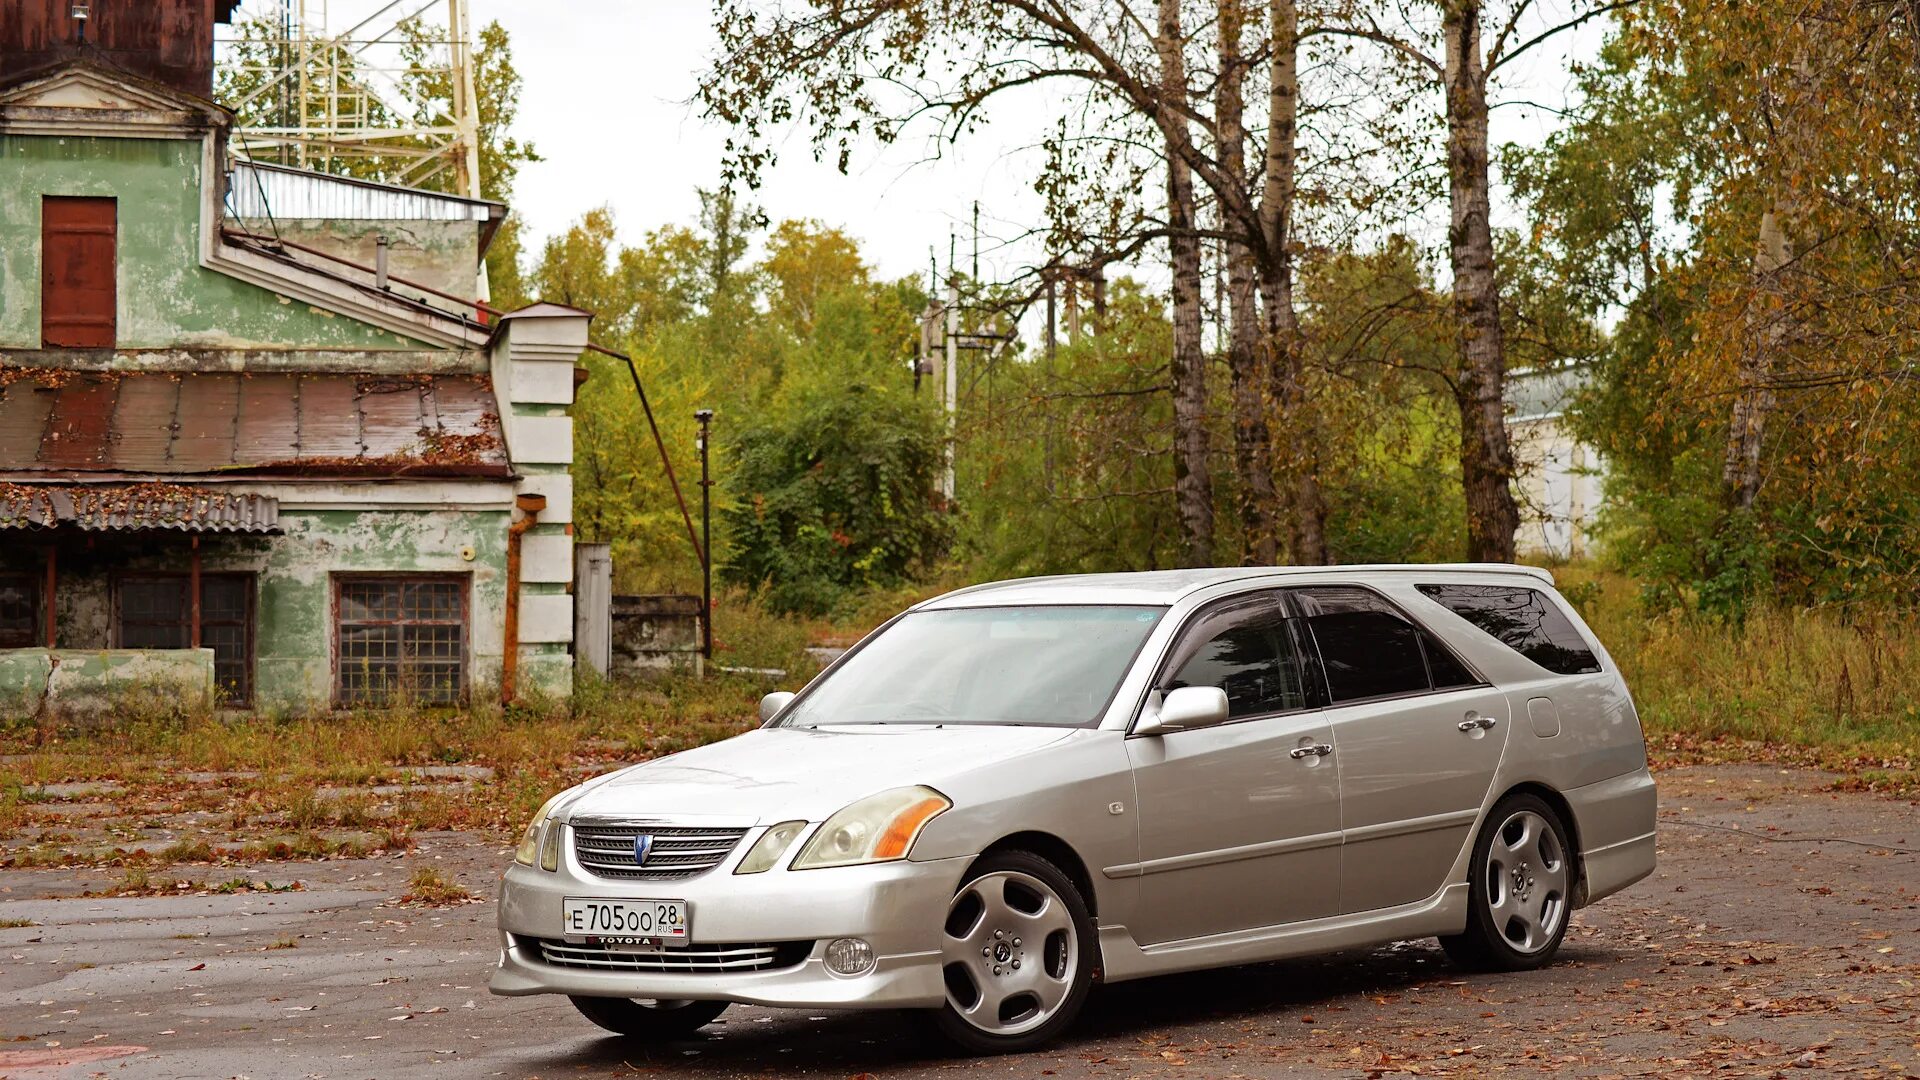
x,y
855,1042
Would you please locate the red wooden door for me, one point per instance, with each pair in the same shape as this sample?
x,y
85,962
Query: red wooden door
x,y
77,270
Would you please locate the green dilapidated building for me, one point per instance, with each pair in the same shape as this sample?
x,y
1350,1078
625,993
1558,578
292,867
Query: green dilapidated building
x,y
249,450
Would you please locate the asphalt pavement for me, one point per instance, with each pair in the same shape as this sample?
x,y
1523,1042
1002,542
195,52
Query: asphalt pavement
x,y
1781,932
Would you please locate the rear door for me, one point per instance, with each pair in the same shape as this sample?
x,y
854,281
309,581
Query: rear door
x,y
1239,823
1418,736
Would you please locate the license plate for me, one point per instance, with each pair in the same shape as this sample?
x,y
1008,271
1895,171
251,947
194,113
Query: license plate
x,y
624,924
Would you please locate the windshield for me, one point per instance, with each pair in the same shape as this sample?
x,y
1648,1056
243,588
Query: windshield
x,y
1057,666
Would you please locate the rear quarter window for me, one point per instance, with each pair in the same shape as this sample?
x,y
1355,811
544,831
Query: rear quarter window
x,y
1523,620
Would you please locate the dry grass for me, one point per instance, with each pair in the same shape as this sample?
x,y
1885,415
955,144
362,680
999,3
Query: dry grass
x,y
431,885
306,779
1834,688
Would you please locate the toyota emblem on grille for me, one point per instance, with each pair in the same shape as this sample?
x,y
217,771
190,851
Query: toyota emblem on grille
x,y
642,846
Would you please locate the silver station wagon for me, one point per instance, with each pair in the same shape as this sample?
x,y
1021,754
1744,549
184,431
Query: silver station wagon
x,y
1016,790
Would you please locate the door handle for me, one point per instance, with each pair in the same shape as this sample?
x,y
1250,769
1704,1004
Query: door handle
x,y
1316,750
1476,721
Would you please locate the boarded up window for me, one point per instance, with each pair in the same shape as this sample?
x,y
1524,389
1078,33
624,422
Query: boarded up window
x,y
20,624
154,611
400,639
78,239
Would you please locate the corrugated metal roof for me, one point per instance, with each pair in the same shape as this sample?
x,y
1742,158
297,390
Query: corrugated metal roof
x,y
136,506
259,189
290,424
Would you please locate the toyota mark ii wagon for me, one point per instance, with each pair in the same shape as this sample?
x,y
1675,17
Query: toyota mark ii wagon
x,y
1015,790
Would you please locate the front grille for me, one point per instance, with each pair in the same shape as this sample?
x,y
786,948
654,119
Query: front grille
x,y
607,850
694,957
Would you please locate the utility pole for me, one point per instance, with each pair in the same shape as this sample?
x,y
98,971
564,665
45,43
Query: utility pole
x,y
976,243
952,396
705,416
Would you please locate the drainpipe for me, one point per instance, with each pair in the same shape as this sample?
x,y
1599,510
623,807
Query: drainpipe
x,y
529,507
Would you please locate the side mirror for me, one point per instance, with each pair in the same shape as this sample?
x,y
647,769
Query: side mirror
x,y
1187,707
771,705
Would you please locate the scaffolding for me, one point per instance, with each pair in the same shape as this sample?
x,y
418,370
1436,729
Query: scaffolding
x,y
382,98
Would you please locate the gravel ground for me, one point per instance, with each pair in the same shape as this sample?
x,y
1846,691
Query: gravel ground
x,y
1781,932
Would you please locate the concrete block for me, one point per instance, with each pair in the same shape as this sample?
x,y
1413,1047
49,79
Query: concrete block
x,y
558,488
543,382
546,557
540,440
545,617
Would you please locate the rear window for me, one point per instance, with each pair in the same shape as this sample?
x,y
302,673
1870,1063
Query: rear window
x,y
1523,620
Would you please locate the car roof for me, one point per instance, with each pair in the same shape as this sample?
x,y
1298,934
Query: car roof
x,y
1162,588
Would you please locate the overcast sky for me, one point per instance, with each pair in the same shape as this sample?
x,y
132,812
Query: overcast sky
x,y
606,101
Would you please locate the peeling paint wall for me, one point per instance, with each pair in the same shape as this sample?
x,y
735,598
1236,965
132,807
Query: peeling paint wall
x,y
293,599
166,298
440,254
74,682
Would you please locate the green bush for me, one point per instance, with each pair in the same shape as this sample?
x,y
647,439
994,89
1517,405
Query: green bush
x,y
835,497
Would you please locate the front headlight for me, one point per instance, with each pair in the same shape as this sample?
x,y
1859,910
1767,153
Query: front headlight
x,y
772,844
529,850
878,828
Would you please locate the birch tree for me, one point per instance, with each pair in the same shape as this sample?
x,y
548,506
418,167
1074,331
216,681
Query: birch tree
x,y
1461,71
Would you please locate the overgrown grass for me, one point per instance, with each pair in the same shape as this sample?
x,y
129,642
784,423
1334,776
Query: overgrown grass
x,y
287,787
1838,688
431,885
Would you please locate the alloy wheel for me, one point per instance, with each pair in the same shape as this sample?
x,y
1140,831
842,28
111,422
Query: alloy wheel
x,y
1526,885
1010,952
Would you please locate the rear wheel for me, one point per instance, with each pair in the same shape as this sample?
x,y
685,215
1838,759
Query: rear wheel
x,y
1521,889
645,1018
1017,947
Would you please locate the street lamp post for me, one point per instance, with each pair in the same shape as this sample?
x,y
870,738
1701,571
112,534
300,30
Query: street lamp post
x,y
705,416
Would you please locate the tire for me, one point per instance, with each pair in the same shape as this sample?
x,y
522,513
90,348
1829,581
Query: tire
x,y
657,1021
1520,894
1019,956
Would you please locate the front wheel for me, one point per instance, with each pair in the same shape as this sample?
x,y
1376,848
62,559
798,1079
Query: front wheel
x,y
644,1018
1521,890
1017,954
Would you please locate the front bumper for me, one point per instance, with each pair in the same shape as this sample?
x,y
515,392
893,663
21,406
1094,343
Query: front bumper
x,y
897,907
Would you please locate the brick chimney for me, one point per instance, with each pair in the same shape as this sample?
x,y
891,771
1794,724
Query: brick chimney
x,y
166,41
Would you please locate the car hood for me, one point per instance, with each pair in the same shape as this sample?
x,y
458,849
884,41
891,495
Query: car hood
x,y
780,774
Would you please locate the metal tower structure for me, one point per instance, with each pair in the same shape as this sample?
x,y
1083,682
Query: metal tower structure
x,y
377,98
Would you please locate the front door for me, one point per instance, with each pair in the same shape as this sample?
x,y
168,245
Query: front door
x,y
1239,823
1418,737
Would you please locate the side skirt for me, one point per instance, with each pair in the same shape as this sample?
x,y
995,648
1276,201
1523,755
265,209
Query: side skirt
x,y
1443,913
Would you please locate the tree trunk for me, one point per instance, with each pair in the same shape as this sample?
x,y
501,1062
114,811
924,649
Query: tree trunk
x,y
1252,439
1486,455
1192,485
1768,323
1292,441
1753,400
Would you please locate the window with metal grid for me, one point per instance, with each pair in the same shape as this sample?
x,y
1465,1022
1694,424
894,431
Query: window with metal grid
x,y
155,611
20,624
401,639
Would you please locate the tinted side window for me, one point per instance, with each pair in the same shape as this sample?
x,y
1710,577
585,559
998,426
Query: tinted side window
x,y
1522,619
1446,668
1366,646
1245,650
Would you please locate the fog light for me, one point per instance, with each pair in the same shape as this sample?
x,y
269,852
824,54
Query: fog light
x,y
849,956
